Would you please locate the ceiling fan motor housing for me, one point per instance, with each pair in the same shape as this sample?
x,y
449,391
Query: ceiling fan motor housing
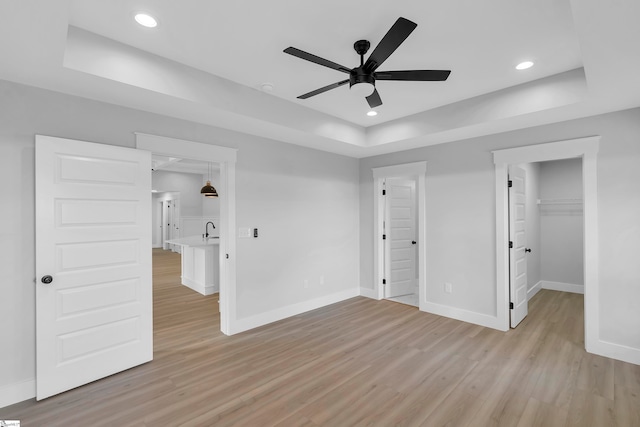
x,y
358,75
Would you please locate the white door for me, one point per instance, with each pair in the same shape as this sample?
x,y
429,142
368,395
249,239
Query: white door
x,y
157,224
175,224
517,238
167,223
400,242
93,240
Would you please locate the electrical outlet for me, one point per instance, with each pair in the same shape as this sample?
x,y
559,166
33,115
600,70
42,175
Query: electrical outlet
x,y
448,287
306,283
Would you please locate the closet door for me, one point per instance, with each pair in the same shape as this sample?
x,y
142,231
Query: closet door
x,y
518,243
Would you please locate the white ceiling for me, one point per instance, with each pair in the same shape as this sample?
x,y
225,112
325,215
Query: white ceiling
x,y
243,41
175,164
206,62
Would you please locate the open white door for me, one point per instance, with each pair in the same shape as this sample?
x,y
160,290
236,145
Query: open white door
x,y
93,262
400,229
518,242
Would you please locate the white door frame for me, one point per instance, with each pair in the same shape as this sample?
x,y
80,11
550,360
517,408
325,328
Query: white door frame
x,y
226,157
419,170
587,149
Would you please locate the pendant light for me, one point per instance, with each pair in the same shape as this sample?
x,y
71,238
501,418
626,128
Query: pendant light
x,y
208,190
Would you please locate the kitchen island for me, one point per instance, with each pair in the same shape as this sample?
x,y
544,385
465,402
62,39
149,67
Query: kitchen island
x,y
200,263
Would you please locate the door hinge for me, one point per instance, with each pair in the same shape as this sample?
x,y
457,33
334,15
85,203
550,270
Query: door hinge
x,y
384,281
510,245
384,192
510,183
510,306
384,237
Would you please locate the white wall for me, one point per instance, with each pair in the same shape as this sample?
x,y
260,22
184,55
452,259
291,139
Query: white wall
x,y
460,220
187,185
305,203
561,225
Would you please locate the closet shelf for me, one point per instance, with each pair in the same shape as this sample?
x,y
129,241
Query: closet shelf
x,y
560,201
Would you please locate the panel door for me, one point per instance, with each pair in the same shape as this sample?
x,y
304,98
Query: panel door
x,y
400,230
517,254
93,238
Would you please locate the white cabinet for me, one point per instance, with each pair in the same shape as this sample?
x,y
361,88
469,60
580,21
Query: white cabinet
x,y
200,263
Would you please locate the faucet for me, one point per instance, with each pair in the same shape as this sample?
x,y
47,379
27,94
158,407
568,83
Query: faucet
x,y
206,228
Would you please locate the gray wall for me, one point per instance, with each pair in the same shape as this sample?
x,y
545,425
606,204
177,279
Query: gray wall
x,y
188,186
305,203
460,217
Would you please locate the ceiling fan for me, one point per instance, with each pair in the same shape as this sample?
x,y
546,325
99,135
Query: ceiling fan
x,y
362,79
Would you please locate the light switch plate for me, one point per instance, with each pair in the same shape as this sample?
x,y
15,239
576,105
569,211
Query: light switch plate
x,y
244,232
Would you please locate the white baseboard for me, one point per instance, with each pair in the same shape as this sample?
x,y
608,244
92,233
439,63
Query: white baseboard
x,y
464,315
534,290
369,293
15,393
204,290
564,287
241,325
210,290
615,351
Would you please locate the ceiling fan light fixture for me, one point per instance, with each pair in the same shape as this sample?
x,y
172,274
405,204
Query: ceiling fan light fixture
x,y
360,83
146,20
524,65
363,89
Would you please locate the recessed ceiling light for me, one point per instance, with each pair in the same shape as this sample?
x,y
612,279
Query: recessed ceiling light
x,y
267,87
524,65
372,113
146,20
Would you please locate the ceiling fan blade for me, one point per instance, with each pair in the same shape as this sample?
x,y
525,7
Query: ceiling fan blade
x,y
316,59
414,75
323,89
374,99
389,43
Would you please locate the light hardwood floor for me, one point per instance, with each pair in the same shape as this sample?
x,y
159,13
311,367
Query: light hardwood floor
x,y
359,362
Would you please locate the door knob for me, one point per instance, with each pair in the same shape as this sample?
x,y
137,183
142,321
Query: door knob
x,y
46,279
527,250
413,242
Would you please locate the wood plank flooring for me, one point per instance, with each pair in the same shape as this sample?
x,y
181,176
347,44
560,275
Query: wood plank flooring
x,y
356,363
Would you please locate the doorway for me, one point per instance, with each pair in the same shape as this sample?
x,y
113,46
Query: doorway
x,y
401,265
226,158
170,214
546,231
93,235
400,280
586,149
